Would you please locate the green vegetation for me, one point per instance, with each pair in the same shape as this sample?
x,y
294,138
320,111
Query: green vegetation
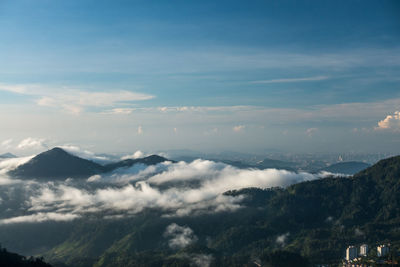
x,y
307,223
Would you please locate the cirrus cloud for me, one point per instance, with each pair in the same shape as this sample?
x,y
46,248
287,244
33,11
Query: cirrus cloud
x,y
75,101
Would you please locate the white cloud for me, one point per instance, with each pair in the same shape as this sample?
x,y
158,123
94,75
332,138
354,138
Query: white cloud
x,y
40,217
238,128
293,80
201,260
7,143
32,143
212,178
94,178
120,111
19,89
281,239
179,236
136,155
75,100
86,154
10,164
391,122
175,189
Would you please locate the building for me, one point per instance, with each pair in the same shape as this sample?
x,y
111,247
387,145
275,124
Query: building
x,y
363,250
351,253
382,250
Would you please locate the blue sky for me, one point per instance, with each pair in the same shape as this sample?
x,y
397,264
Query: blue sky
x,y
299,76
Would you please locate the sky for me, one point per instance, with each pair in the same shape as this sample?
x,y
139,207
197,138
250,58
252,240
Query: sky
x,y
249,76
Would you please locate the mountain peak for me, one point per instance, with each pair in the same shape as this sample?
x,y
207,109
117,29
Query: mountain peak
x,y
7,156
149,160
56,151
56,164
387,169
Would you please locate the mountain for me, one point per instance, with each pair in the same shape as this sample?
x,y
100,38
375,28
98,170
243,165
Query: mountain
x,y
314,221
351,167
150,160
7,156
57,164
9,259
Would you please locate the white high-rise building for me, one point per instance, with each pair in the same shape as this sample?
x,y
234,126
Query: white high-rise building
x,y
382,250
351,253
363,250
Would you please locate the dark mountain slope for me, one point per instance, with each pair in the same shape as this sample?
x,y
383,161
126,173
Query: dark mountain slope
x,y
317,219
57,164
7,156
150,160
351,167
9,259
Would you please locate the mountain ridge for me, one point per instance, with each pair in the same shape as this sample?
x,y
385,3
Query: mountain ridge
x,y
58,164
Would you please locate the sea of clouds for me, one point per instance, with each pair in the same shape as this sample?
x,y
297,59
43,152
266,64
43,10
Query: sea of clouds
x,y
174,189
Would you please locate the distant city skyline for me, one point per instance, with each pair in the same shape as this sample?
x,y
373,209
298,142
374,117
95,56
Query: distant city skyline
x,y
120,76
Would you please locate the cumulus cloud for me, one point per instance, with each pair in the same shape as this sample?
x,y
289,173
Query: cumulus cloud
x,y
179,236
32,143
238,128
94,178
391,122
218,177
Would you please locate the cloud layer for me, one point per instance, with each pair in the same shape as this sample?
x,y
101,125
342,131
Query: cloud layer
x,y
174,189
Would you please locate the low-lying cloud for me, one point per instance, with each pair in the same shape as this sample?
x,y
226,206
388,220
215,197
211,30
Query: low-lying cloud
x,y
179,236
281,239
173,189
40,217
